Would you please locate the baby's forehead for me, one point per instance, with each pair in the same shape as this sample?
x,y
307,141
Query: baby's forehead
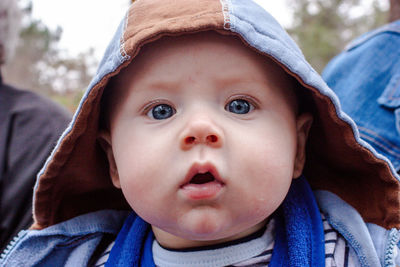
x,y
167,61
202,50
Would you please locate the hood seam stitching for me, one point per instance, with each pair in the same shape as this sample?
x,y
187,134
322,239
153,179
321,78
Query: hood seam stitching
x,y
122,50
225,12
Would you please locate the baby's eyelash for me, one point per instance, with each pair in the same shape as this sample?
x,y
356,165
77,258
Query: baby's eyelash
x,y
248,98
147,107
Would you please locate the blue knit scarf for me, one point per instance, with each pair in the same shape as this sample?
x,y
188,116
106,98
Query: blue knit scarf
x,y
299,239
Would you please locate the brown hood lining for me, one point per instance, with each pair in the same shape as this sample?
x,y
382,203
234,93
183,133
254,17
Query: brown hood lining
x,y
76,181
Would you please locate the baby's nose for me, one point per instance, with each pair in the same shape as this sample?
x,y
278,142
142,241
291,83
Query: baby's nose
x,y
201,131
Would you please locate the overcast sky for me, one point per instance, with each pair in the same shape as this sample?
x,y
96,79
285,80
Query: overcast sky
x,y
91,23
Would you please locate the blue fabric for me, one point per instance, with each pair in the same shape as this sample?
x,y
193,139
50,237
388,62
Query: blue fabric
x,y
147,257
366,78
299,237
349,223
68,244
132,244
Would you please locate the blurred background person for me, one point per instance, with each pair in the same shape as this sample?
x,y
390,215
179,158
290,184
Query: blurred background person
x,y
29,128
366,78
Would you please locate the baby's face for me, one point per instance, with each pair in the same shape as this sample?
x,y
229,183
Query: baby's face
x,y
205,141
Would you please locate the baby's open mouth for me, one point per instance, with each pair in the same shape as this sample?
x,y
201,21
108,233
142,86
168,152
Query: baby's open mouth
x,y
202,178
202,182
202,174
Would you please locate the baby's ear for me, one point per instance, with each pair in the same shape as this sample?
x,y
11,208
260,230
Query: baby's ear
x,y
104,139
303,125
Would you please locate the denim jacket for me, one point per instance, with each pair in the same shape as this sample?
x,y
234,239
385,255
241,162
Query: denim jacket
x,y
366,78
75,203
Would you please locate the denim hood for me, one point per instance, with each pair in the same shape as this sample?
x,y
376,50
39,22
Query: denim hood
x,y
75,179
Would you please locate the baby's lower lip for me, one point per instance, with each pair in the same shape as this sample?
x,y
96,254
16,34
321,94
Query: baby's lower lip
x,y
202,191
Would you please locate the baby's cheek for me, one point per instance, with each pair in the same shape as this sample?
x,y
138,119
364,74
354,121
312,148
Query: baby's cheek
x,y
263,187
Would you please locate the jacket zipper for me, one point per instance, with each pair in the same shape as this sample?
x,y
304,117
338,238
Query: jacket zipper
x,y
12,245
391,248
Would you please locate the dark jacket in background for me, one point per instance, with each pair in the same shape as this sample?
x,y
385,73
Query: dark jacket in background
x,y
29,128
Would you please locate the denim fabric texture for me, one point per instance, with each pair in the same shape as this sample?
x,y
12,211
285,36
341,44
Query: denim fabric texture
x,y
366,78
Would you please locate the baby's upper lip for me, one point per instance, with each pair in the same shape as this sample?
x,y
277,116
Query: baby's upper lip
x,y
202,168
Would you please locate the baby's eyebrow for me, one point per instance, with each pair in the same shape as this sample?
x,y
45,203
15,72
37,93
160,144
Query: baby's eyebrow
x,y
163,84
226,80
235,80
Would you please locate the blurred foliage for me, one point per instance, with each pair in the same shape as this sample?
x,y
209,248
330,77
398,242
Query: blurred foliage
x,y
41,66
69,100
322,28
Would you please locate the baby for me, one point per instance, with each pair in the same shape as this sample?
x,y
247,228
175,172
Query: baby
x,y
189,149
203,150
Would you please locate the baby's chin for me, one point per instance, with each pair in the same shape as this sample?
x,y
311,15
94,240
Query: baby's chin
x,y
204,231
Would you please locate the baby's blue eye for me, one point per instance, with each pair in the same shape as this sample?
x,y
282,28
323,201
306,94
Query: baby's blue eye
x,y
239,106
161,112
